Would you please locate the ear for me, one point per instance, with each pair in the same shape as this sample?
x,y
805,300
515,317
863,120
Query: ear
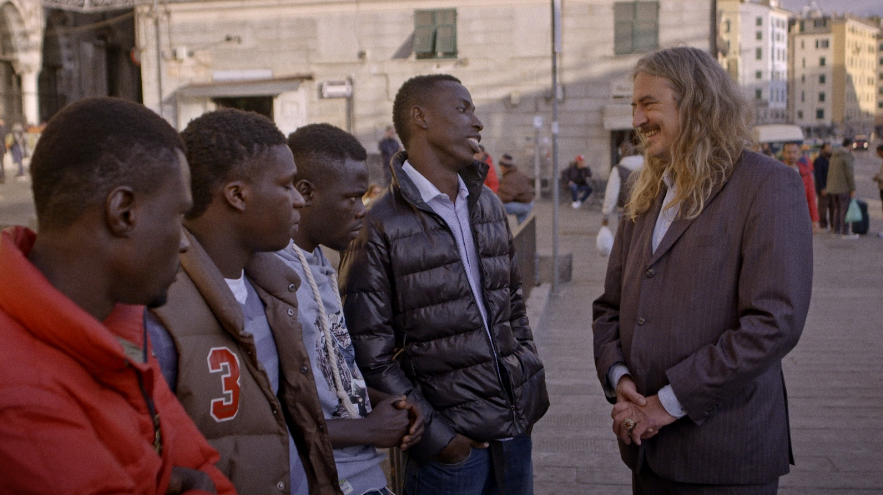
x,y
306,189
120,211
236,193
418,116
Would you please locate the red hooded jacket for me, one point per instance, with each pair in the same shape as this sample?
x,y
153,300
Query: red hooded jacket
x,y
74,413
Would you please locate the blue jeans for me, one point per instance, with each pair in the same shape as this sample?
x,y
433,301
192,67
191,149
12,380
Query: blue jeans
x,y
582,190
520,210
503,468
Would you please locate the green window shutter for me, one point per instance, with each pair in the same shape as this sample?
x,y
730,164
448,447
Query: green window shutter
x,y
646,26
623,18
448,16
424,33
435,33
446,40
424,39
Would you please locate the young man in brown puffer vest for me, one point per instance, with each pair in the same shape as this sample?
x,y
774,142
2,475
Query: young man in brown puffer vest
x,y
228,339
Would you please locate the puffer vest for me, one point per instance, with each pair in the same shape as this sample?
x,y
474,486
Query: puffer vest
x,y
226,391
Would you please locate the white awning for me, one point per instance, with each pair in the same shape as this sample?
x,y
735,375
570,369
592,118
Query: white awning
x,y
90,6
617,117
257,87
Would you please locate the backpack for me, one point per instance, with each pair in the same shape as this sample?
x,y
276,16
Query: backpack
x,y
625,187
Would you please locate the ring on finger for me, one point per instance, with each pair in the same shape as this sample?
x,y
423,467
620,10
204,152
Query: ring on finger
x,y
629,424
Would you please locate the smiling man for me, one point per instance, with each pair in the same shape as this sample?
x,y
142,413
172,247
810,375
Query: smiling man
x,y
434,303
707,289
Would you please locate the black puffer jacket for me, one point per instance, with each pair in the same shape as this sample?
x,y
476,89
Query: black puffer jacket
x,y
405,286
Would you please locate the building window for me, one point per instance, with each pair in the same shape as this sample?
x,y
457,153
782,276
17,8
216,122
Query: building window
x,y
435,33
804,63
820,113
823,43
758,53
803,78
802,45
759,21
758,35
821,79
727,26
800,114
822,61
821,97
758,75
636,27
803,96
758,94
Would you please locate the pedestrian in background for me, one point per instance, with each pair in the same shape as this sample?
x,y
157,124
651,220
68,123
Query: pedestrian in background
x,y
820,173
618,188
516,190
841,188
433,303
388,147
18,148
689,335
492,180
3,151
83,405
792,157
878,178
577,176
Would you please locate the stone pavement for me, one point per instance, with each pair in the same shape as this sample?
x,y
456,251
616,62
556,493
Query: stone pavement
x,y
834,375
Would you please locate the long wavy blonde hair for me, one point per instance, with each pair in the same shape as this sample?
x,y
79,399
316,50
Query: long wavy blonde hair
x,y
714,121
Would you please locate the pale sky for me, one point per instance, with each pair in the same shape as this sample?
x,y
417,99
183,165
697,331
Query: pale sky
x,y
860,7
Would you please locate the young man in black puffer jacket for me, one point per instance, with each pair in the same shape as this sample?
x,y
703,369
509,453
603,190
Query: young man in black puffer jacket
x,y
434,304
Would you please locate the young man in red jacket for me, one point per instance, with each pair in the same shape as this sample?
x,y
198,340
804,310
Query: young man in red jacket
x,y
83,405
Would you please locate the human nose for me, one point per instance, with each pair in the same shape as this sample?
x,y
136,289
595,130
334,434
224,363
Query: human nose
x,y
184,245
638,117
297,200
476,122
361,211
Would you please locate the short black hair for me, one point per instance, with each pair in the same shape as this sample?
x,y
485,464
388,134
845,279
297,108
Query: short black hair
x,y
880,147
847,141
93,146
218,145
319,147
413,92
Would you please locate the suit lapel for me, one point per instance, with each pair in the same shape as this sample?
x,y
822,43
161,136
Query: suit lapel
x,y
677,228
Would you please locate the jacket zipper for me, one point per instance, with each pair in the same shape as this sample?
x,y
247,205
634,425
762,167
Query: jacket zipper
x,y
487,332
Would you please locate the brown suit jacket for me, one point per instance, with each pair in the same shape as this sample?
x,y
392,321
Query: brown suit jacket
x,y
712,312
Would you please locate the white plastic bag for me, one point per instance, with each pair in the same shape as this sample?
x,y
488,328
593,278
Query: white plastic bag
x,y
604,241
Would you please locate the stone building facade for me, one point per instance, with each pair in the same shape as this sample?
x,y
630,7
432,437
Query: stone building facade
x,y
342,61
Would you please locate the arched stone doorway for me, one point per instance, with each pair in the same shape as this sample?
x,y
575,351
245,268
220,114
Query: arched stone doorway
x,y
21,35
10,83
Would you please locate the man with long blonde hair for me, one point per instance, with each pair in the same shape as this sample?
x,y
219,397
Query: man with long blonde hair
x,y
707,288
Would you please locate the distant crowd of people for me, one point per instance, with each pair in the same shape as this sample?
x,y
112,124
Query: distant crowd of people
x,y
829,185
180,323
16,143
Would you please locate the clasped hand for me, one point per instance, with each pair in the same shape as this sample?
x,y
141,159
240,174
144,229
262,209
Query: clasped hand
x,y
647,413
